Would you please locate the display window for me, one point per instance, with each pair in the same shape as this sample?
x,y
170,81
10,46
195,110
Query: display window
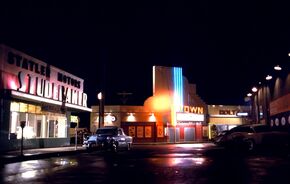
x,y
38,124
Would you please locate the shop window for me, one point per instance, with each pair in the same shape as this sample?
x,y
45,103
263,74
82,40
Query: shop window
x,y
148,131
38,125
14,107
140,131
132,131
62,127
23,107
31,108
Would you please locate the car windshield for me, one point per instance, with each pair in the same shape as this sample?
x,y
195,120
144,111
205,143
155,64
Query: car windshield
x,y
107,131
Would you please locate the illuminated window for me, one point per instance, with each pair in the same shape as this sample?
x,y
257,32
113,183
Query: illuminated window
x,y
31,108
14,106
23,107
38,124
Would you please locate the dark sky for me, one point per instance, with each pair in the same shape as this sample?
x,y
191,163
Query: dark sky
x,y
224,47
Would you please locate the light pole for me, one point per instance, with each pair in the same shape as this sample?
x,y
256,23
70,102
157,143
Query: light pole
x,y
252,101
100,97
256,98
267,100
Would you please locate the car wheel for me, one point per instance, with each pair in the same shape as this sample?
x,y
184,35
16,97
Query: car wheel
x,y
250,144
114,148
91,146
128,146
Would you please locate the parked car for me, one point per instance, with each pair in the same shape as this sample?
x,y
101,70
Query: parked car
x,y
109,138
219,136
252,136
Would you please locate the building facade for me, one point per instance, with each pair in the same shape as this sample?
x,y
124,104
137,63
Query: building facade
x,y
38,96
225,117
279,95
271,102
174,113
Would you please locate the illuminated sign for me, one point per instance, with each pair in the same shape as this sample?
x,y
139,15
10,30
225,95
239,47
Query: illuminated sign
x,y
44,88
242,114
33,79
178,88
74,119
193,109
110,118
28,64
228,112
189,117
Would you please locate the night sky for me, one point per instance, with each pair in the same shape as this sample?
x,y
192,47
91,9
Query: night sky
x,y
224,47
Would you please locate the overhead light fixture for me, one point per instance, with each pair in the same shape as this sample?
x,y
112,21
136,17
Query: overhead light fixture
x,y
277,67
254,89
269,77
249,94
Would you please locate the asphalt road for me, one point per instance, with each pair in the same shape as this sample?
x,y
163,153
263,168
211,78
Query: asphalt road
x,y
180,163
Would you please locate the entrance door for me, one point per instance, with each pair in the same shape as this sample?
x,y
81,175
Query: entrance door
x,y
51,128
189,134
174,134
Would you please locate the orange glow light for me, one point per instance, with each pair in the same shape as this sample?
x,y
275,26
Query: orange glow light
x,y
161,103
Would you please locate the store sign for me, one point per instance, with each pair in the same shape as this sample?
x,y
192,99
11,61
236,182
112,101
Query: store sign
x,y
40,81
110,118
228,112
189,117
74,119
193,109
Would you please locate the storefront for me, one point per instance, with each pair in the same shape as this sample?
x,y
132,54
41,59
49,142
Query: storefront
x,y
41,97
280,112
174,113
225,117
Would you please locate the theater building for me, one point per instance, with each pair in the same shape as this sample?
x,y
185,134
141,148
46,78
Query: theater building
x,y
39,96
174,113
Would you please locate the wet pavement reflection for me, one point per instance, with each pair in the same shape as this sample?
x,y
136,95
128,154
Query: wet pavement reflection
x,y
33,169
187,163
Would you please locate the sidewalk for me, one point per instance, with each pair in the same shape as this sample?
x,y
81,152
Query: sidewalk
x,y
40,153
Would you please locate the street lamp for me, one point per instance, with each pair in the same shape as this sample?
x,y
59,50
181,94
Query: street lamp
x,y
277,67
100,97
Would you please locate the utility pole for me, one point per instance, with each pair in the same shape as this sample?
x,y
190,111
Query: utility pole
x,y
124,96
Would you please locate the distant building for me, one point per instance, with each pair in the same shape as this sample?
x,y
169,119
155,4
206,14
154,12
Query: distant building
x,y
225,117
175,113
39,95
279,97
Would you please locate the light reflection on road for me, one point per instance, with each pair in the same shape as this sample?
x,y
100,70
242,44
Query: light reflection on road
x,y
171,160
33,169
196,145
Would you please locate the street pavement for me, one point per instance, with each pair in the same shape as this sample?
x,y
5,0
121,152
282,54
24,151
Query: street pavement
x,y
41,153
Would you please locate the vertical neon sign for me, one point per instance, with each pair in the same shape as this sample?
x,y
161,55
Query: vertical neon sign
x,y
178,93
